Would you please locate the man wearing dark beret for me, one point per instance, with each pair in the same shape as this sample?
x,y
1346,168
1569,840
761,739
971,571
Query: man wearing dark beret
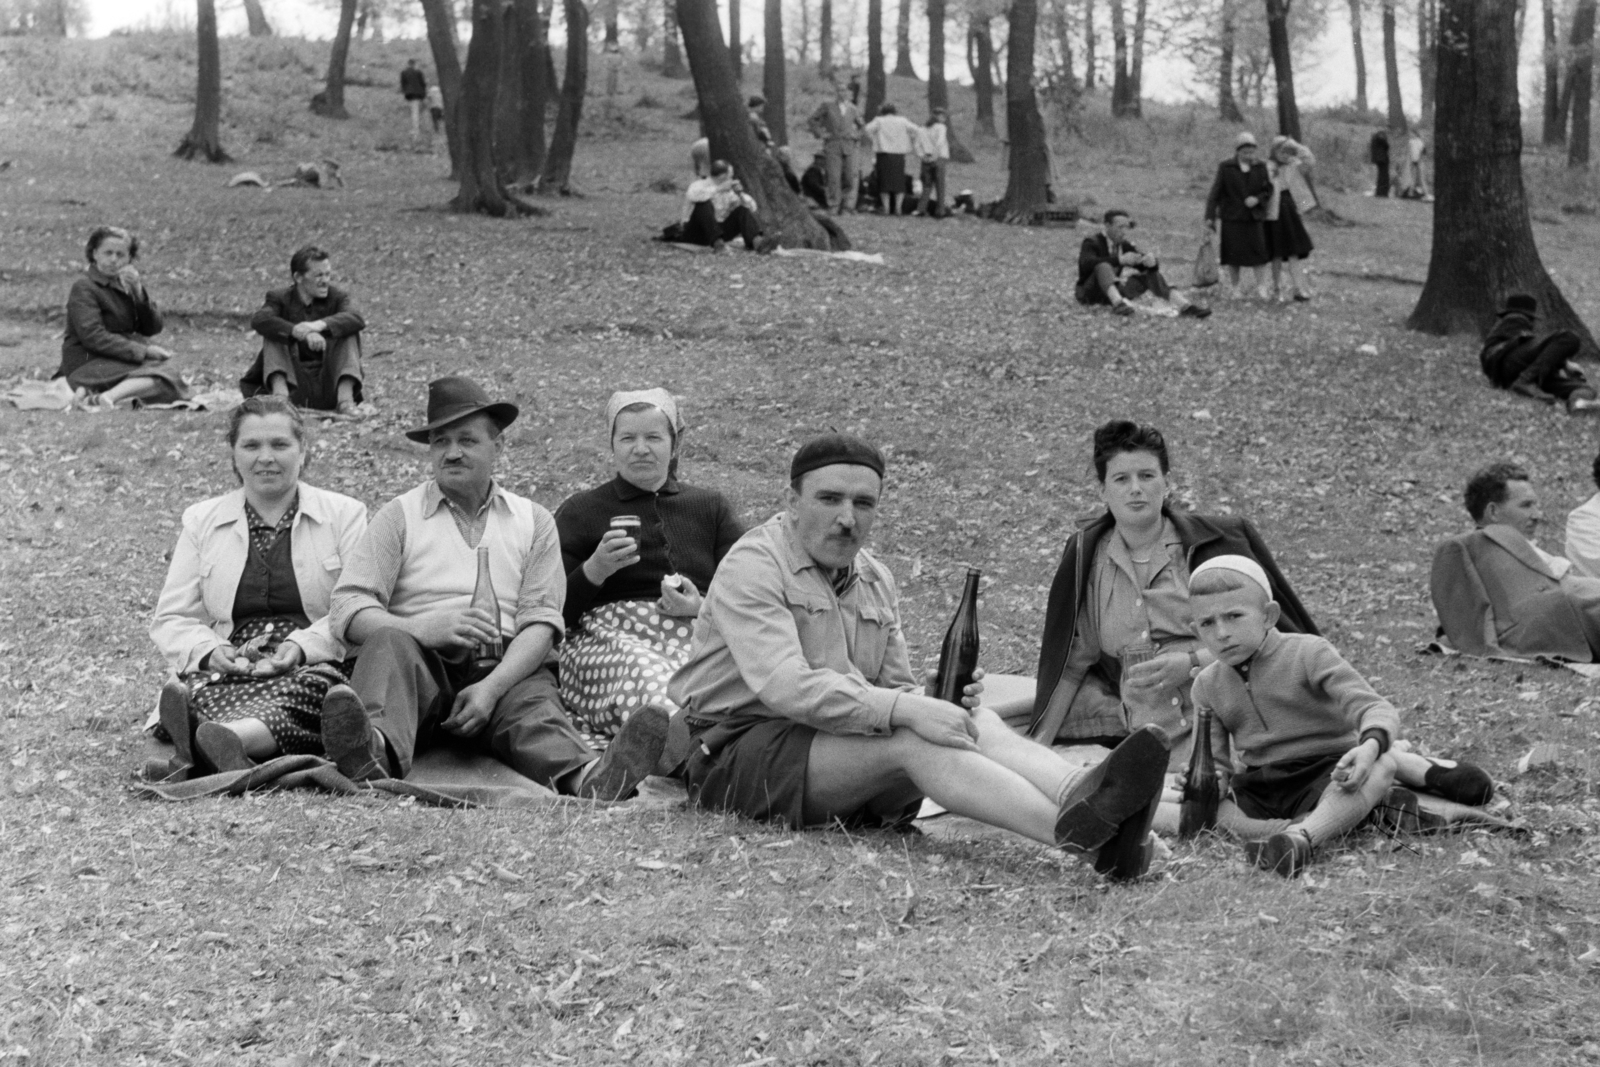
x,y
801,706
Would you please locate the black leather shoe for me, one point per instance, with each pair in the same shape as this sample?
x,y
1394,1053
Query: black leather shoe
x,y
348,738
630,758
1127,855
178,719
1124,783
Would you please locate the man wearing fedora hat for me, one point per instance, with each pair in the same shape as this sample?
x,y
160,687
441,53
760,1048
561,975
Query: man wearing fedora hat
x,y
801,707
1517,358
405,597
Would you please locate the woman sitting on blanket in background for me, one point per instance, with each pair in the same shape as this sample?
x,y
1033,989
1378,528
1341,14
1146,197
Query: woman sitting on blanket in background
x,y
640,551
242,619
106,349
1118,650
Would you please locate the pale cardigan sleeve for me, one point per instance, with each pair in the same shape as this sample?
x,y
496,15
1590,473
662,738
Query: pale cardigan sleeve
x,y
182,629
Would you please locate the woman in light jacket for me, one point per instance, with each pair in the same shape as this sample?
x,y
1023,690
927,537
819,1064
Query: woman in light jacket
x,y
242,619
1286,234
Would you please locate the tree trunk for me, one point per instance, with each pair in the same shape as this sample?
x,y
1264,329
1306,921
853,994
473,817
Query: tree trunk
x,y
736,44
1227,106
203,138
257,19
774,77
877,84
644,31
671,52
980,61
1088,45
902,43
564,141
480,189
534,89
1358,46
1582,82
1554,129
1483,245
1027,189
1278,40
509,100
1427,54
1119,59
825,40
330,102
1391,71
441,21
1136,65
938,90
723,117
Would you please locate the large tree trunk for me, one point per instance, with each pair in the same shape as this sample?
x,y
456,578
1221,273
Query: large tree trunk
x,y
980,61
902,43
723,117
1582,82
441,21
1483,245
330,102
564,141
480,189
1282,67
671,52
1136,64
825,40
203,138
1119,59
1227,106
1088,46
257,19
736,44
1359,48
1554,129
774,78
938,90
534,89
509,100
1027,189
877,84
1391,71
1427,55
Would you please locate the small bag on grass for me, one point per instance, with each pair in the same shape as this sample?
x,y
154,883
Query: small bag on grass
x,y
1206,272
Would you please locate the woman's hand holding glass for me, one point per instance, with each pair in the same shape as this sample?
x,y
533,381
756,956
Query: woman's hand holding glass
x,y
615,551
1169,670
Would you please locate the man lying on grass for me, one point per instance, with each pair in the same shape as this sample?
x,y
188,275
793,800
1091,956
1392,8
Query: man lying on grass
x,y
802,709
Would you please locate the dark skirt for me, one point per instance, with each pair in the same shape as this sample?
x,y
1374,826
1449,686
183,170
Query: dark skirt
x,y
1244,244
1287,789
891,173
101,373
1286,235
289,705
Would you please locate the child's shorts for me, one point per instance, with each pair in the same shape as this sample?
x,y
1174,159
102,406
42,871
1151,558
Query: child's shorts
x,y
1284,790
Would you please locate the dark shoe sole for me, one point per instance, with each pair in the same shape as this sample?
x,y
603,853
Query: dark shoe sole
x,y
347,735
221,747
1287,854
1397,812
1118,789
178,718
631,757
1127,855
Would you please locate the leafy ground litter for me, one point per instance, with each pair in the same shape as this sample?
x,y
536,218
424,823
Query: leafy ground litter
x,y
304,930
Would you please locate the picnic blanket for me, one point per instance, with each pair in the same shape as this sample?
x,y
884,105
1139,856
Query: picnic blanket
x,y
1440,647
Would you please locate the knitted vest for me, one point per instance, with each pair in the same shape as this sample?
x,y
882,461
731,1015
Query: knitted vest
x,y
440,570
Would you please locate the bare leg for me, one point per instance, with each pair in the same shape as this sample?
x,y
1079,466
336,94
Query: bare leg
x,y
1261,280
1277,276
133,389
1233,279
258,741
347,390
1242,826
278,384
1339,811
1293,266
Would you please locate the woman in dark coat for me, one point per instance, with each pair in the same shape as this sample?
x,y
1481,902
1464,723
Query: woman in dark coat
x,y
1239,198
1121,594
110,319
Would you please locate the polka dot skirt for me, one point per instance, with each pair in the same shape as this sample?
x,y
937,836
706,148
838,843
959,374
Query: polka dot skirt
x,y
621,659
290,705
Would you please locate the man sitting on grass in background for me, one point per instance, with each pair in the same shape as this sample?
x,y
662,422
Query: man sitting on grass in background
x,y
716,209
801,707
1112,271
311,347
1311,736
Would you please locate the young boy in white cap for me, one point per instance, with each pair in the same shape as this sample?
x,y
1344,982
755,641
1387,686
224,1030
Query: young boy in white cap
x,y
1302,741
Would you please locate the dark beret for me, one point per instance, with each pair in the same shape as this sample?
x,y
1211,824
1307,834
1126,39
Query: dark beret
x,y
833,448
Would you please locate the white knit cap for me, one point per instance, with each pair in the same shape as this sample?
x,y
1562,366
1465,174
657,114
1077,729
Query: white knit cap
x,y
1241,564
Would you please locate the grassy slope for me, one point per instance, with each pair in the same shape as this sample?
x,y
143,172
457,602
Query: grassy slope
x,y
305,929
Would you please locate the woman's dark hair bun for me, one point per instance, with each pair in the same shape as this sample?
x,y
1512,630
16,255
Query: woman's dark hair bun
x,y
1113,438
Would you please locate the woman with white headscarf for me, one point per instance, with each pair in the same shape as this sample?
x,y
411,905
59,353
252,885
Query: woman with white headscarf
x,y
640,551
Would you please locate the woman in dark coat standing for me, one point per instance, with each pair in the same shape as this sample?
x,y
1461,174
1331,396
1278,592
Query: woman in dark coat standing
x,y
106,349
1239,197
1117,652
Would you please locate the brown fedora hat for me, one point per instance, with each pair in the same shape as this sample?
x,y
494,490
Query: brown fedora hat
x,y
453,399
